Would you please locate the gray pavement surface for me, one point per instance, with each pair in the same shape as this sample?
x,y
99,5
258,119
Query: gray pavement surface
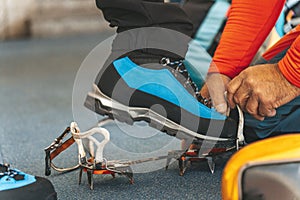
x,y
36,82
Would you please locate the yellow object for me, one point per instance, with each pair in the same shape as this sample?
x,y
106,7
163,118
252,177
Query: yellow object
x,y
279,149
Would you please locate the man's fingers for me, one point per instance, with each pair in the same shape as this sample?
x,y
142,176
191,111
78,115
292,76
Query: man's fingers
x,y
241,96
232,87
216,84
252,105
219,102
204,92
230,100
222,108
266,110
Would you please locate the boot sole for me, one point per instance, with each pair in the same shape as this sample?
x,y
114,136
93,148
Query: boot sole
x,y
104,105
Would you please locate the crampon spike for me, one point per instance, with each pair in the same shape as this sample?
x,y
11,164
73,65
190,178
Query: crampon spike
x,y
211,164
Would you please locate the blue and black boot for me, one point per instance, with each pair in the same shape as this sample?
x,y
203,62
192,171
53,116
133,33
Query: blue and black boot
x,y
159,90
18,185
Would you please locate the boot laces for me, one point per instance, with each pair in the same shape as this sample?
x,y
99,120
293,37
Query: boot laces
x,y
9,173
179,67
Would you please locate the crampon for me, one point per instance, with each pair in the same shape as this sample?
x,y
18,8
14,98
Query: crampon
x,y
93,162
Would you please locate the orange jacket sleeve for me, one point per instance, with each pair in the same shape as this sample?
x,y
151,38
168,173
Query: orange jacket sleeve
x,y
249,23
284,43
290,64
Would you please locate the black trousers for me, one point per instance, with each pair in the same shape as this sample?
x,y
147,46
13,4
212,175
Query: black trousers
x,y
129,14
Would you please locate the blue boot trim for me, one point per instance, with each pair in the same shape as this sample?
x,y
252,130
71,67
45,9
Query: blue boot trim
x,y
8,182
162,84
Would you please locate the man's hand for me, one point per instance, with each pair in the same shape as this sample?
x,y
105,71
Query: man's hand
x,y
215,88
259,90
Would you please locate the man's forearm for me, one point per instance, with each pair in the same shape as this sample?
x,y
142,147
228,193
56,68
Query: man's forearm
x,y
248,25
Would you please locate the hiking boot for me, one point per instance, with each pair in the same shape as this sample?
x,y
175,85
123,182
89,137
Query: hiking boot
x,y
142,85
18,185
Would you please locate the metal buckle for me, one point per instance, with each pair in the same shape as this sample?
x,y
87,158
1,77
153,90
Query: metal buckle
x,y
54,149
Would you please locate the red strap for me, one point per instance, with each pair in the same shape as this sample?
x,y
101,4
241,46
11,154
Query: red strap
x,y
61,148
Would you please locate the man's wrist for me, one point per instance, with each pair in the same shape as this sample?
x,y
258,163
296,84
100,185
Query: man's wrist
x,y
287,68
290,81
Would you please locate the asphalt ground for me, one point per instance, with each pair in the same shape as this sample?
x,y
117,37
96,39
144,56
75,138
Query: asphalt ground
x,y
36,83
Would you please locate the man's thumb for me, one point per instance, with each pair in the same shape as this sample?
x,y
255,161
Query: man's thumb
x,y
222,108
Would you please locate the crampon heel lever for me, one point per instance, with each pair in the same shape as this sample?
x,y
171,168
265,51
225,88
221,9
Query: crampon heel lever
x,y
96,163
